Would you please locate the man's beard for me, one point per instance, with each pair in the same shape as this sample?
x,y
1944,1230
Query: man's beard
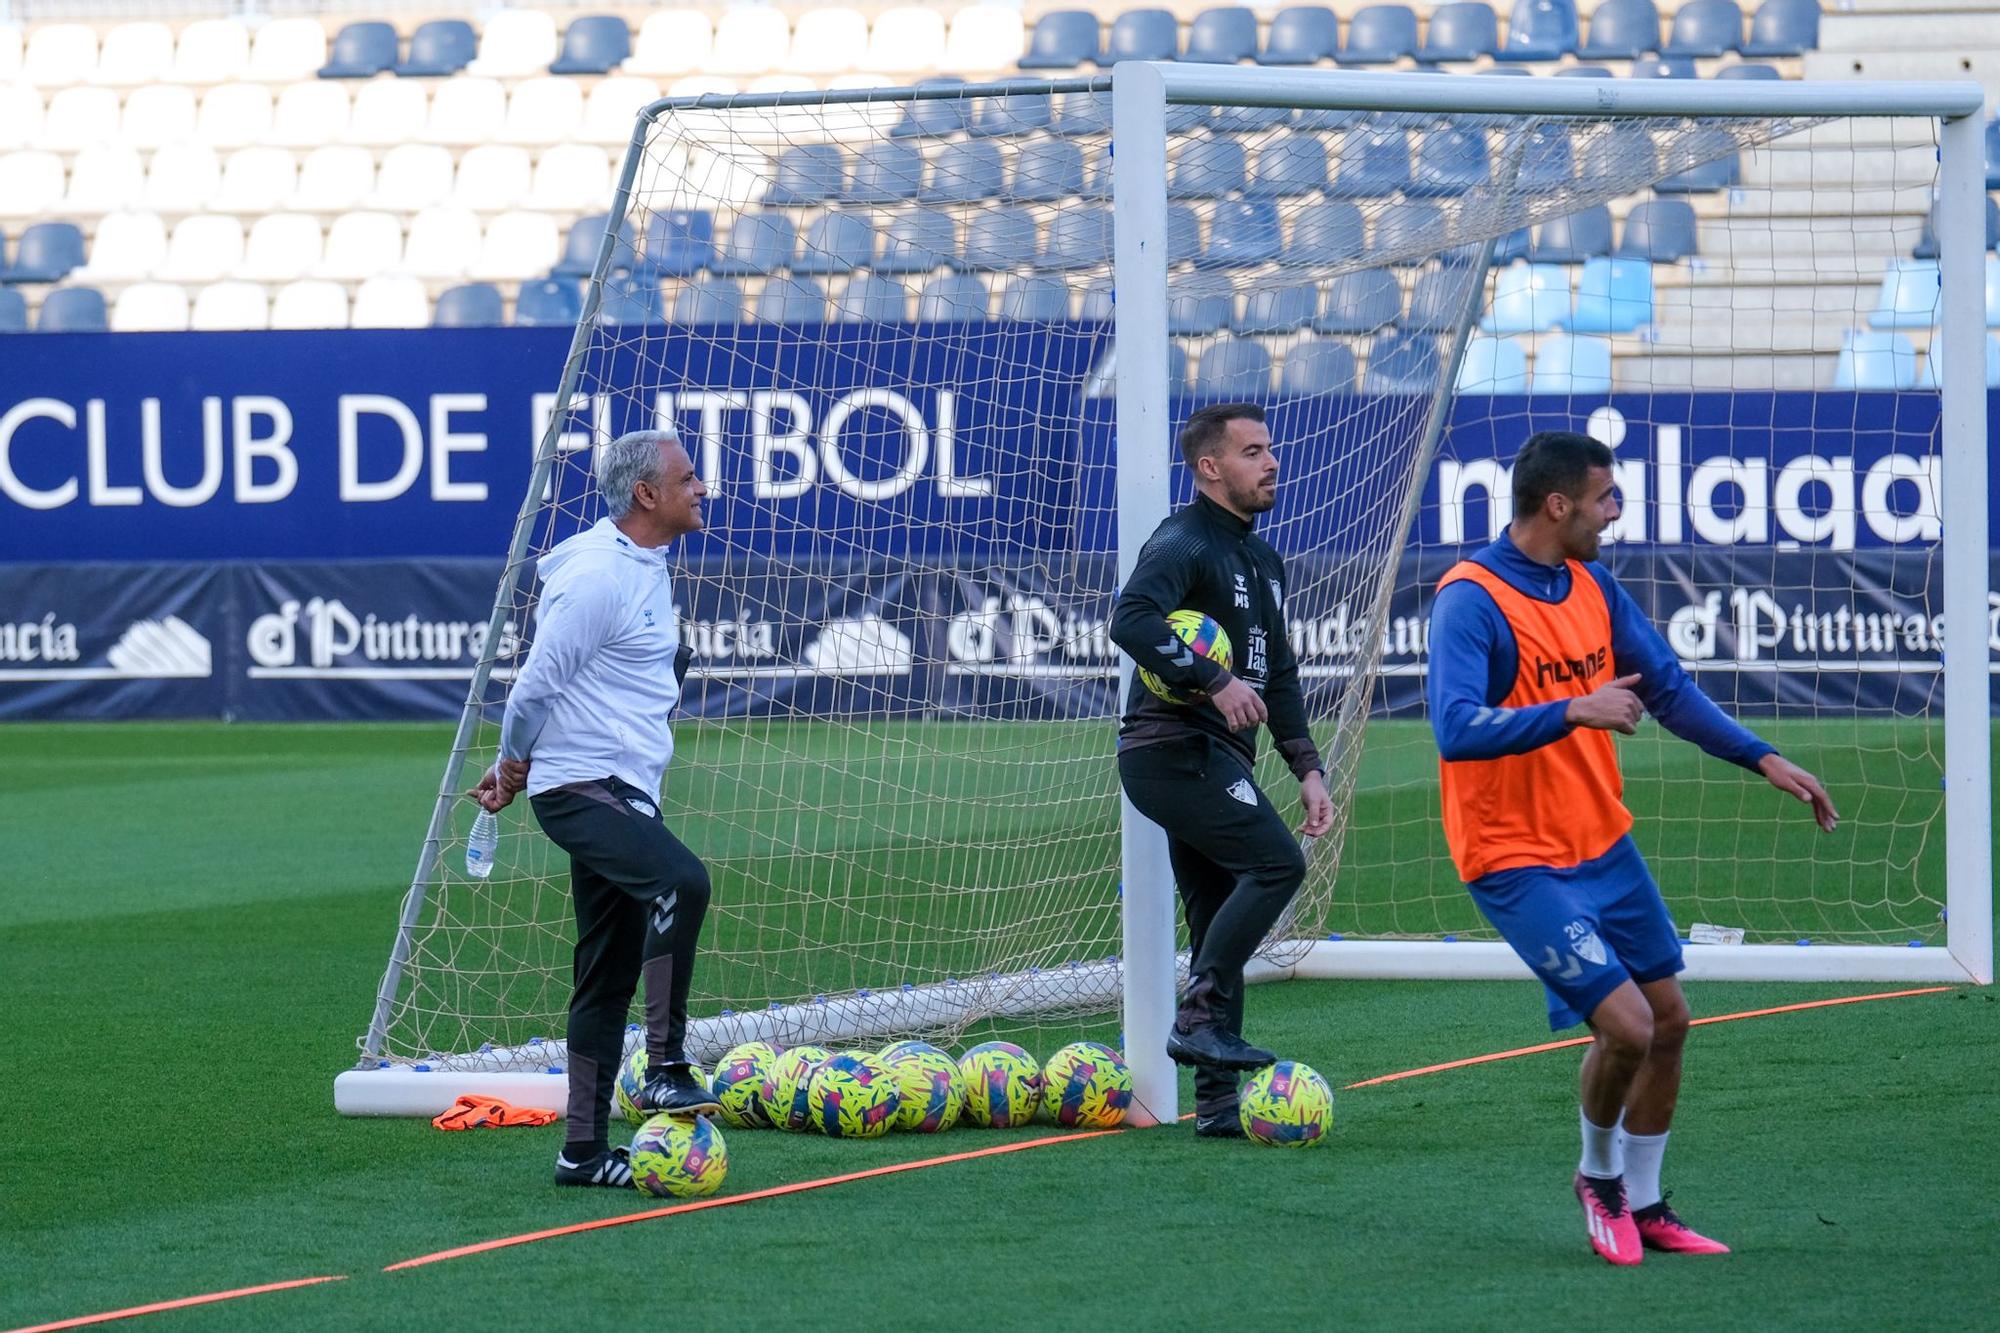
x,y
1254,500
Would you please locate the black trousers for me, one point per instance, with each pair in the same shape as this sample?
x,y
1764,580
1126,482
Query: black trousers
x,y
1237,866
640,897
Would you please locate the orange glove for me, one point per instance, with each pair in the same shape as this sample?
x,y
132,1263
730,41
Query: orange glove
x,y
470,1112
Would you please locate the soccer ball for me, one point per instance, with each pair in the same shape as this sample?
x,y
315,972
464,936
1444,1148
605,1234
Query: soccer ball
x,y
1003,1085
1088,1086
1286,1105
786,1086
739,1084
679,1157
631,1078
931,1090
853,1096
1203,635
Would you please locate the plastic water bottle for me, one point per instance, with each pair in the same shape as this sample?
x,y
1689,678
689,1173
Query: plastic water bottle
x,y
480,846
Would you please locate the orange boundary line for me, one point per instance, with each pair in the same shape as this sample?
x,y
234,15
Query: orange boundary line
x,y
181,1304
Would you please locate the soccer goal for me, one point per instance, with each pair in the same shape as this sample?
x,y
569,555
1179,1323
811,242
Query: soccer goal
x,y
930,347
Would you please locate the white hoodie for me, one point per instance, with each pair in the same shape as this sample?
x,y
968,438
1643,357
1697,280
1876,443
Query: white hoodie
x,y
593,700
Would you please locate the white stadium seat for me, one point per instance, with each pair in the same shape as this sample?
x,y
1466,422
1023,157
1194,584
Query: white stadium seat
x,y
206,247
414,176
151,307
910,40
20,115
135,53
515,43
257,180
231,305
492,177
159,113
360,245
543,111
234,115
311,114
672,41
282,246
128,246
517,247
697,85
443,243
751,40
103,179
30,183
388,112
287,50
572,178
982,37
60,55
826,41
390,302
212,51
79,117
10,50
335,178
781,83
466,111
613,108
182,178
311,304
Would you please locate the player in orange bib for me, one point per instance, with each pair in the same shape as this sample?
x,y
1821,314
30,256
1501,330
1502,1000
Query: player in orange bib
x,y
1536,657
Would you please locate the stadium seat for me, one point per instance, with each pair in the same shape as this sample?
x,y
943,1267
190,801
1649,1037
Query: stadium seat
x,y
1083,113
1705,28
1027,113
1909,295
1401,363
47,252
309,304
21,114
1662,67
1625,151
1249,119
868,299
548,302
386,115
1062,39
492,176
128,246
612,108
593,44
1528,298
151,307
1001,238
1077,238
1540,30
361,51
1361,301
443,242
308,115
334,179
934,117
1613,296
672,41
1993,292
1584,72
466,112
1232,368
791,301
1274,310
1301,35
59,55
835,243
924,239
808,174
1660,230
516,246
1035,298
910,39
1242,234
708,301
830,40
134,53
360,245
1784,28
282,246
237,115
1404,234
103,179
1372,165
982,36
1927,247
472,305
1289,166
439,48
953,298
630,298
1546,161
1380,35
1572,365
13,311
1492,366
1206,169
1046,170
212,51
257,180
287,50
391,302
1716,174
1326,232
541,112
1143,34
10,51
160,113
1749,71
1225,36
1875,361
1622,30
1323,366
1448,162
1199,306
73,310
962,173
1931,376
757,243
1183,233
1465,30
230,305
515,44
414,176
205,247
585,239
1514,245
679,242
1437,299
79,117
570,178
886,173
750,39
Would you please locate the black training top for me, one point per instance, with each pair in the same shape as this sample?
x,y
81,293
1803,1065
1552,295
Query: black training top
x,y
1206,559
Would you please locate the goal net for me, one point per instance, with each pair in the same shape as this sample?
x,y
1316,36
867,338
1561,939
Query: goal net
x,y
890,328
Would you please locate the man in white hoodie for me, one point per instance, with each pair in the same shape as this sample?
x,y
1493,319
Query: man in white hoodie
x,y
586,736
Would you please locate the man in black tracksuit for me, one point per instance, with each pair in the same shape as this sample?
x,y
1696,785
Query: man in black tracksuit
x,y
1187,767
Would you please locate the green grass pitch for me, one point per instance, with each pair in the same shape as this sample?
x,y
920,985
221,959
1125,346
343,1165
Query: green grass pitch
x,y
193,919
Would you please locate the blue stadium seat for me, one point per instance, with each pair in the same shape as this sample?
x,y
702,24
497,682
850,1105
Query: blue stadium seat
x,y
1224,36
1046,170
1380,35
1063,39
47,252
1078,238
1528,298
1465,30
73,310
1546,160
1361,302
1037,298
1909,295
1324,233
808,173
473,305
1143,34
709,301
1402,363
1514,245
1233,368
679,242
1323,366
1301,35
886,173
1621,30
1705,28
593,44
1083,113
835,243
921,240
1436,301
791,301
758,243
1186,117
438,48
13,311
1407,231
1198,307
361,51
1004,238
1876,361
548,302
1584,72
1242,234
630,299
1183,233
1927,247
1207,169
1492,366
934,117
1660,230
1707,178
1932,374
1448,162
954,298
586,237
1274,310
1573,365
1291,165
868,299
1540,30
1993,154
1371,165
1749,71
1784,28
1613,296
1663,67
963,172
1621,151
1249,119
1021,113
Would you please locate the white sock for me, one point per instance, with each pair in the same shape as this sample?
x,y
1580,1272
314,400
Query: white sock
x,y
1642,1153
1601,1158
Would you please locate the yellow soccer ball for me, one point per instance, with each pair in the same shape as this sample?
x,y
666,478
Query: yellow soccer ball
x,y
933,1094
679,1157
1286,1105
788,1083
853,1096
1205,637
1003,1085
1087,1086
631,1078
739,1084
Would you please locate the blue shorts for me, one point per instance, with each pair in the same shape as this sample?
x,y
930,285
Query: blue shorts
x,y
1585,929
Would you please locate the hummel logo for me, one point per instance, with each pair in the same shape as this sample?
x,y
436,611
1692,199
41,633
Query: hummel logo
x,y
1176,652
1243,791
1553,964
641,806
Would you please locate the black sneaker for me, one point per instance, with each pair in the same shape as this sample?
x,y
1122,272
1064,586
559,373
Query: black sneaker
x,y
676,1091
1212,1047
1222,1125
612,1167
